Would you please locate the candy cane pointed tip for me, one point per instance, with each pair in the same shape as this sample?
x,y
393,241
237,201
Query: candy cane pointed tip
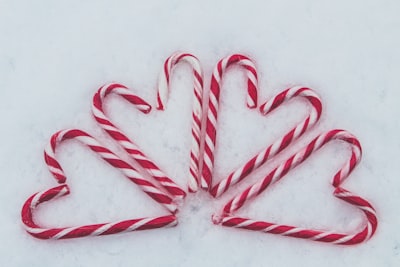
x,y
216,219
146,109
60,180
262,109
252,106
160,105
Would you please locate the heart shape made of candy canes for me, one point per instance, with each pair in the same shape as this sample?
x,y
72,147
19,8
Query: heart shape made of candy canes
x,y
229,219
129,146
272,150
62,190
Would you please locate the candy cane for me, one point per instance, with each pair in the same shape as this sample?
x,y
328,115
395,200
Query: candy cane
x,y
124,141
162,96
57,171
279,145
86,230
226,219
212,113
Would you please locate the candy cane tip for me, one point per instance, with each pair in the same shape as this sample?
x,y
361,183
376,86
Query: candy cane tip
x,y
216,219
146,110
204,187
261,109
160,107
336,183
252,106
160,103
193,190
61,180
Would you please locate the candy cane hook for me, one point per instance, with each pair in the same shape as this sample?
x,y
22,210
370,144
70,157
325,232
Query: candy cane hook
x,y
227,219
279,145
86,230
124,141
197,113
212,113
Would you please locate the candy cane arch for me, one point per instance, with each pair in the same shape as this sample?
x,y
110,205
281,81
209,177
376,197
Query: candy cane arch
x,y
213,103
131,173
124,141
227,219
86,230
197,113
279,145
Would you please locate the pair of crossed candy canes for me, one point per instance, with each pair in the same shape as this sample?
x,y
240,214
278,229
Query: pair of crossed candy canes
x,y
225,217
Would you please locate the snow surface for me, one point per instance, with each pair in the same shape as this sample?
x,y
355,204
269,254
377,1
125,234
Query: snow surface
x,y
55,54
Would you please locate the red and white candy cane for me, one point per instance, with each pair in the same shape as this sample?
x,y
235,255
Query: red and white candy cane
x,y
124,141
130,172
86,230
279,145
213,103
197,114
227,219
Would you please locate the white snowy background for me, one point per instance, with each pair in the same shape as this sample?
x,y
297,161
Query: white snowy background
x,y
55,54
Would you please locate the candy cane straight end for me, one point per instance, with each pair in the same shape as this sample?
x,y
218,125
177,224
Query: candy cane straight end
x,y
160,105
204,185
216,219
193,187
146,110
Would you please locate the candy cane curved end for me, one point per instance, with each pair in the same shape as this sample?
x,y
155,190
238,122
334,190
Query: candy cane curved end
x,y
124,91
87,230
296,91
164,78
213,104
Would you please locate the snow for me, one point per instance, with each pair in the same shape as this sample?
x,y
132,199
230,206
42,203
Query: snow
x,y
55,54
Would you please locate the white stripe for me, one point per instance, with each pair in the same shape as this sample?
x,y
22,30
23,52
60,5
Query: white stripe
x,y
343,239
55,170
320,236
102,229
292,231
98,113
244,223
64,232
270,228
216,76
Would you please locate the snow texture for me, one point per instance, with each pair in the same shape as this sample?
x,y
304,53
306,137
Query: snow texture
x,y
55,54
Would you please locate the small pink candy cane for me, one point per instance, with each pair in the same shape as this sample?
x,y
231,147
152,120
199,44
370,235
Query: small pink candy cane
x,y
227,219
86,230
162,97
212,113
124,141
279,145
130,172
